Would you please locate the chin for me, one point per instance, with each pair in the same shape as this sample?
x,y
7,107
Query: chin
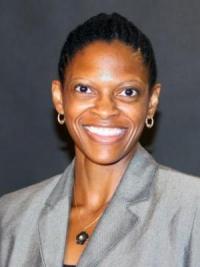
x,y
106,154
108,158
105,162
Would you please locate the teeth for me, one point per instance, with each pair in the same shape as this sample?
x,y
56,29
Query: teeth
x,y
104,131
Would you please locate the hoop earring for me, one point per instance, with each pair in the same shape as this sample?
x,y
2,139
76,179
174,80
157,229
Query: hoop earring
x,y
149,122
61,119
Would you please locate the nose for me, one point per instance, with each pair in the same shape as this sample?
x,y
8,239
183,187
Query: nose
x,y
105,107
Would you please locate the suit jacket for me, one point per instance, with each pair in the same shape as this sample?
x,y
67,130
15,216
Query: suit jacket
x,y
153,220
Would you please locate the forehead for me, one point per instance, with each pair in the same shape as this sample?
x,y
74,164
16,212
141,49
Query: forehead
x,y
101,58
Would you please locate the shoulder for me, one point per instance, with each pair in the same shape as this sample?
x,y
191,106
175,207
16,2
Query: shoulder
x,y
178,186
176,178
16,203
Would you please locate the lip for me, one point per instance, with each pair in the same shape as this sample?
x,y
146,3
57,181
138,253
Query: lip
x,y
105,135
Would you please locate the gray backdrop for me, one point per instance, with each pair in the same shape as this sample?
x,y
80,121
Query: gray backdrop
x,y
32,32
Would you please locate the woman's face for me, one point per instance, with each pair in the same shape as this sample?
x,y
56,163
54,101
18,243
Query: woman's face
x,y
105,100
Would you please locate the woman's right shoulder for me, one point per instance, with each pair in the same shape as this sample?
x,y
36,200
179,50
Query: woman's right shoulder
x,y
17,202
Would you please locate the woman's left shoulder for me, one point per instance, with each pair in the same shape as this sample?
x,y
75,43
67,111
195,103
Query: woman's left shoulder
x,y
178,184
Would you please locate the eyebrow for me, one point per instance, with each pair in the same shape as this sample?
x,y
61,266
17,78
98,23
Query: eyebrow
x,y
133,81
85,80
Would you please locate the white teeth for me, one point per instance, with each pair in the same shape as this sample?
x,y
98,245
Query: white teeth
x,y
104,131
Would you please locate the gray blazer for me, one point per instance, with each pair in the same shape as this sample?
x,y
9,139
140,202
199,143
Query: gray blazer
x,y
153,220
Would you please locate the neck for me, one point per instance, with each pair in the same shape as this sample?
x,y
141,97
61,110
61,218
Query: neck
x,y
95,184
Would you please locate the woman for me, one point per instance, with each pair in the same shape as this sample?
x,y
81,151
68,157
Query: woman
x,y
114,205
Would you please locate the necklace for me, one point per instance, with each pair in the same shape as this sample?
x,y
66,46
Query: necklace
x,y
83,236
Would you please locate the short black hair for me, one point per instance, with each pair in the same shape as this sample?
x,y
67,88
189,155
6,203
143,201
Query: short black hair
x,y
108,28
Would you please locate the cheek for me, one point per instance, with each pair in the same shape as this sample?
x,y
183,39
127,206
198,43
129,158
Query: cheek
x,y
136,113
74,109
70,105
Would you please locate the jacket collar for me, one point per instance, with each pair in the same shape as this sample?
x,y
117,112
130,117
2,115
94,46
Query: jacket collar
x,y
136,184
53,220
121,215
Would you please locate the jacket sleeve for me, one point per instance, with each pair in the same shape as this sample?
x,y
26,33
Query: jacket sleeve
x,y
3,235
193,257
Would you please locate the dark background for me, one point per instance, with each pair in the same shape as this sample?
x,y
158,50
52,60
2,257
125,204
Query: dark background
x,y
32,33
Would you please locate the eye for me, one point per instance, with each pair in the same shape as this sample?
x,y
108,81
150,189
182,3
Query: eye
x,y
83,89
129,92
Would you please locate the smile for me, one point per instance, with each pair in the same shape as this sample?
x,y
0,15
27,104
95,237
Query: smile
x,y
105,134
104,131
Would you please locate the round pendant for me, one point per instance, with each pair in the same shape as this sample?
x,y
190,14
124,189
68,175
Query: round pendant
x,y
82,237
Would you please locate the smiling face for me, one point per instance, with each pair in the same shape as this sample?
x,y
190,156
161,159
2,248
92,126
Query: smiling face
x,y
105,100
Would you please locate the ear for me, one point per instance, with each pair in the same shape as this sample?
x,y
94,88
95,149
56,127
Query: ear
x,y
57,96
154,100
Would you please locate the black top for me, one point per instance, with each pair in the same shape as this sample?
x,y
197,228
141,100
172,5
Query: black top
x,y
69,266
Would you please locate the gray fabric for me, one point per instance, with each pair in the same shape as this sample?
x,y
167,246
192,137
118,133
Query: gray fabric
x,y
153,220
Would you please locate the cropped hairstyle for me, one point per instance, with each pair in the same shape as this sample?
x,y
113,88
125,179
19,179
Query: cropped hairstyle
x,y
108,28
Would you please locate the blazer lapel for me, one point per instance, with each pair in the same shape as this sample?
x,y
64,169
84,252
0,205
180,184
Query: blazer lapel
x,y
113,227
125,211
54,220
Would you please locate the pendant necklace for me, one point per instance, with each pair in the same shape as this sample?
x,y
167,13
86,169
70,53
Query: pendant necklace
x,y
83,235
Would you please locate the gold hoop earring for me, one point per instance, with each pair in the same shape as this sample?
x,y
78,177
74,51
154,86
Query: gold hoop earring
x,y
61,119
149,122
